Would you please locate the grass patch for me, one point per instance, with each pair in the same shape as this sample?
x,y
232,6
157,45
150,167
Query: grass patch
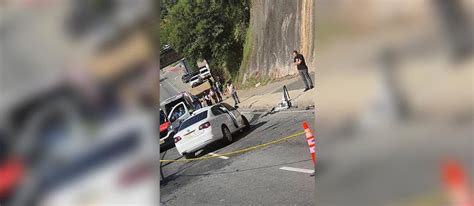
x,y
247,51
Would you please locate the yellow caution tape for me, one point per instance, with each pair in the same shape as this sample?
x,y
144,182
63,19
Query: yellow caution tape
x,y
238,151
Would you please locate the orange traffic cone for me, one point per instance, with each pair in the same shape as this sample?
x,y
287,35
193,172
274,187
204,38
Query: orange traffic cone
x,y
311,141
455,180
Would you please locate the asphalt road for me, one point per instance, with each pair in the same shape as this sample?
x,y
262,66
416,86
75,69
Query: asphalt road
x,y
251,178
171,83
248,178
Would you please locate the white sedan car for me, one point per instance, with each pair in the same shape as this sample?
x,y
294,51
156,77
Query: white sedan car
x,y
195,81
207,125
204,72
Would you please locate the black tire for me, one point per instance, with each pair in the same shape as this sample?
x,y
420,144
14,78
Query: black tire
x,y
227,134
189,155
246,123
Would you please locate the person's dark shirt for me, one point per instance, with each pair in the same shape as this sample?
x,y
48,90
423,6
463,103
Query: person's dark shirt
x,y
302,65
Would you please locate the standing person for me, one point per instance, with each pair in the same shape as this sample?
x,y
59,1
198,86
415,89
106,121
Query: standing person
x,y
303,70
233,92
203,101
218,85
212,94
218,93
208,99
197,103
211,83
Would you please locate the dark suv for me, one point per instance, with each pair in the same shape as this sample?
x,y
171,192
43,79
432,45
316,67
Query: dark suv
x,y
186,78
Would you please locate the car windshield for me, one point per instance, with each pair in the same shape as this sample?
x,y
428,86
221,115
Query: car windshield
x,y
169,105
194,78
193,120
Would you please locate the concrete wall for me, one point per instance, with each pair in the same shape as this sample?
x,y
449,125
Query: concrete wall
x,y
278,27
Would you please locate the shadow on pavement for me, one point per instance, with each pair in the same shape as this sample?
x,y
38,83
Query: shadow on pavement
x,y
210,148
237,136
167,163
255,117
168,178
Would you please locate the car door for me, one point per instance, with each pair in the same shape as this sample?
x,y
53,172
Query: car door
x,y
176,117
234,115
221,117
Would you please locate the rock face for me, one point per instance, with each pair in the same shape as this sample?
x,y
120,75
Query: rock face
x,y
279,27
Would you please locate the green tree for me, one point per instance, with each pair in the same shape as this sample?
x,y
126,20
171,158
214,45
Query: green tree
x,y
207,29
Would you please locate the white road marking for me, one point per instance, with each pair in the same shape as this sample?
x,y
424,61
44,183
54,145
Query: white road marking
x,y
219,156
294,169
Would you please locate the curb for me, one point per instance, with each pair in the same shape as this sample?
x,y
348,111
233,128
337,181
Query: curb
x,y
266,109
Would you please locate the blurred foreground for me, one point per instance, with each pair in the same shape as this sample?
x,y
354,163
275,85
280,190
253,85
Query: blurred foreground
x,y
394,100
78,86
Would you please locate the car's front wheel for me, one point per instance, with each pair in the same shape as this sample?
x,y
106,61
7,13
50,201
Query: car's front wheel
x,y
227,134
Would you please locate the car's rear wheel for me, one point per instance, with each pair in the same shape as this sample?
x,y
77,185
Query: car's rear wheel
x,y
227,134
245,122
189,155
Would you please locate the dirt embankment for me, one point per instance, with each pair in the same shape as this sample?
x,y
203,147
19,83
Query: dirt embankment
x,y
277,28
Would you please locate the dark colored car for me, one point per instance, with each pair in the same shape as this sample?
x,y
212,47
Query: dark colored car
x,y
186,78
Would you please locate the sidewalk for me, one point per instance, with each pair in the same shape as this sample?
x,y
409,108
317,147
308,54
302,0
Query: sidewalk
x,y
270,95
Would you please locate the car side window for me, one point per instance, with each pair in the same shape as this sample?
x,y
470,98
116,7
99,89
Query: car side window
x,y
178,112
216,110
228,107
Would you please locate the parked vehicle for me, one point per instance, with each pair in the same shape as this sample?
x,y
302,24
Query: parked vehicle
x,y
186,78
195,80
204,72
207,125
166,133
199,90
178,114
178,108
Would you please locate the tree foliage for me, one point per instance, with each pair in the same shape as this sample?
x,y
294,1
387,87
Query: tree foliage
x,y
213,30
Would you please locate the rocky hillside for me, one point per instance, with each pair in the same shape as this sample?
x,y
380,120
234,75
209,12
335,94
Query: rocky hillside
x,y
277,28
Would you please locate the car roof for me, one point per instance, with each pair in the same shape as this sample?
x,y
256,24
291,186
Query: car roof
x,y
202,109
175,97
206,108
